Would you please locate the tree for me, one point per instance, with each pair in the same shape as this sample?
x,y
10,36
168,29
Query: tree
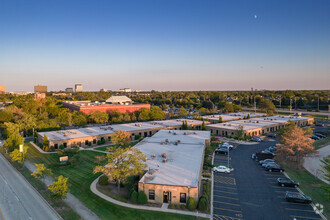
x,y
99,117
268,106
228,107
203,125
156,113
202,203
126,117
59,187
41,172
191,204
144,114
248,116
182,112
295,146
220,119
45,144
16,155
122,138
240,132
79,118
122,163
142,198
13,142
5,116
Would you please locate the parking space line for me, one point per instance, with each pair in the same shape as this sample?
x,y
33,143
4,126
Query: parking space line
x,y
224,191
226,180
300,210
226,197
227,209
227,203
220,217
227,187
295,216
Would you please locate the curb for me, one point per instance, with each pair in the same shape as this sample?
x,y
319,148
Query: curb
x,y
19,173
312,204
212,185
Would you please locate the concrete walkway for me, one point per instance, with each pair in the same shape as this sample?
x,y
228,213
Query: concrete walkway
x,y
314,165
109,199
71,200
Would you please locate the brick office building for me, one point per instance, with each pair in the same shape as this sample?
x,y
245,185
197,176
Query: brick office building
x,y
121,103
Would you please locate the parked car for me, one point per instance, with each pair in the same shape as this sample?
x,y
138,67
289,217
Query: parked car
x,y
319,124
272,149
266,165
257,139
261,156
266,161
222,150
287,182
271,135
226,145
297,197
274,168
315,138
267,152
221,169
320,135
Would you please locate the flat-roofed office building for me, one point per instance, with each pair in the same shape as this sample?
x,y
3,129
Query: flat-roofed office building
x,y
82,136
2,89
40,89
175,163
78,88
257,126
231,116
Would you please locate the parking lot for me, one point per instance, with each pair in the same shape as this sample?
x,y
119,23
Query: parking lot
x,y
250,192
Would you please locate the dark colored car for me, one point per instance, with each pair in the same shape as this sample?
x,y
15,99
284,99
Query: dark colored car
x,y
266,161
262,156
274,168
222,150
272,149
271,135
319,124
315,137
287,182
297,197
320,135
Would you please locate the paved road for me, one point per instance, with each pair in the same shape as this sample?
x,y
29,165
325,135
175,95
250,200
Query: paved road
x,y
314,165
250,192
18,199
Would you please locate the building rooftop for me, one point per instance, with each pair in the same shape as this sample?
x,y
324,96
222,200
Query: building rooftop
x,y
110,129
254,123
233,116
118,99
184,156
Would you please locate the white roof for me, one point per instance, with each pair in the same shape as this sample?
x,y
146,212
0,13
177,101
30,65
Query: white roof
x,y
232,116
184,159
255,123
118,99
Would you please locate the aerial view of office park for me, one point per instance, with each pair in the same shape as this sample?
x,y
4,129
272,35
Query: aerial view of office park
x,y
164,110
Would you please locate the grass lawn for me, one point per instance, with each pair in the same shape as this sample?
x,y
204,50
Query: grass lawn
x,y
104,148
312,187
321,143
80,178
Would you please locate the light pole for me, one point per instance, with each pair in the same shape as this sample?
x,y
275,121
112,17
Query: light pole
x,y
290,105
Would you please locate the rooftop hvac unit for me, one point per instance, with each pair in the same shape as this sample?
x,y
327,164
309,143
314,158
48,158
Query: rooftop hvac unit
x,y
163,155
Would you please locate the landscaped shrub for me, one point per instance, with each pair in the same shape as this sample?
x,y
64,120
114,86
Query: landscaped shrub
x,y
103,141
206,175
182,206
134,196
142,198
89,143
207,189
130,193
171,206
99,142
177,206
203,203
61,147
103,180
52,148
191,204
137,137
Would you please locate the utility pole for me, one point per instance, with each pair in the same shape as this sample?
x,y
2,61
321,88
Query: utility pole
x,y
255,106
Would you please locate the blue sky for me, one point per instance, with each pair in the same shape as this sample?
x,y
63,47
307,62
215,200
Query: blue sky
x,y
165,45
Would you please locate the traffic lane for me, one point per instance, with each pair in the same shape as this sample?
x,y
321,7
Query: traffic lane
x,y
31,203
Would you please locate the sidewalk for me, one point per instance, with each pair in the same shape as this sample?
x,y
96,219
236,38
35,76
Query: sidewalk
x,y
71,200
109,199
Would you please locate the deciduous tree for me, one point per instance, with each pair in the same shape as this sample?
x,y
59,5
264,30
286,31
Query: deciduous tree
x,y
41,172
16,155
122,138
122,163
59,187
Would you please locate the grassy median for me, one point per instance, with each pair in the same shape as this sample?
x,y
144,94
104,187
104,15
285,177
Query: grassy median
x,y
80,178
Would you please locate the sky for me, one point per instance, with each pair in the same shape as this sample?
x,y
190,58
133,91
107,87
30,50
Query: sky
x,y
165,44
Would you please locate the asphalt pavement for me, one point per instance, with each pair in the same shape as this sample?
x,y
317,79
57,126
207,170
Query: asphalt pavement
x,y
18,199
250,192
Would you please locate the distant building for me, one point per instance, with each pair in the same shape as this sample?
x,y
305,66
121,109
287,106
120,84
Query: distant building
x,y
69,90
103,90
78,88
19,93
2,89
125,90
38,95
40,89
121,103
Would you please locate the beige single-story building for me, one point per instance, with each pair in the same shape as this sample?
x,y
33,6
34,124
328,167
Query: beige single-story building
x,y
257,126
81,137
214,119
175,164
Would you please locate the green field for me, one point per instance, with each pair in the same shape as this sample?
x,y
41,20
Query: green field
x,y
80,178
104,148
312,187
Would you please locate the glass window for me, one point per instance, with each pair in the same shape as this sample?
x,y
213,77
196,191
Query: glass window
x,y
151,194
183,197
